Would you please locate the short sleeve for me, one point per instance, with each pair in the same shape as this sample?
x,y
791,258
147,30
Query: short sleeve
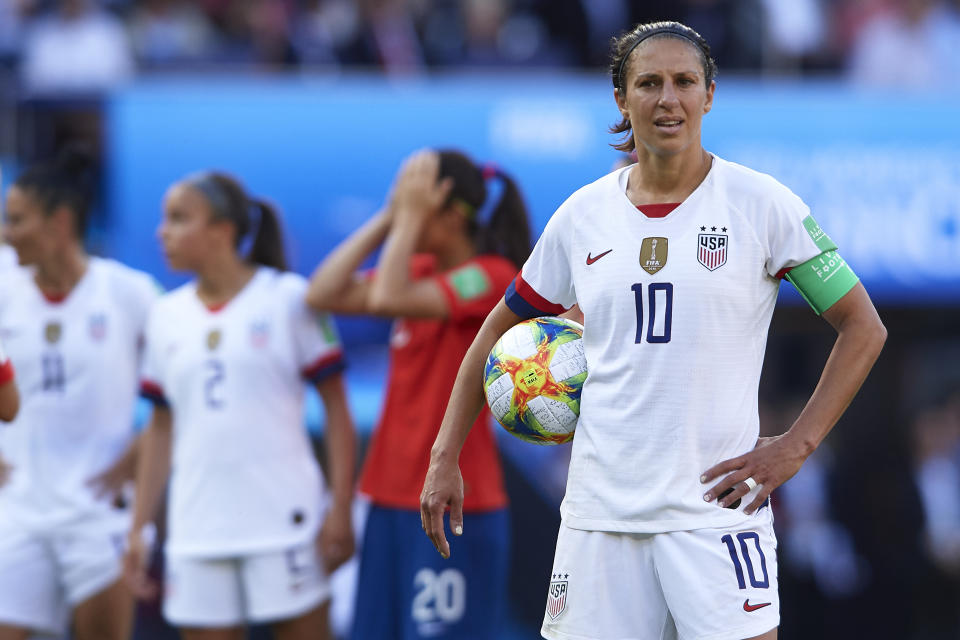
x,y
793,236
151,370
474,289
319,353
545,284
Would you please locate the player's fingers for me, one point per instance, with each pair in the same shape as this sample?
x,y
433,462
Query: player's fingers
x,y
734,492
456,517
435,529
722,468
758,501
733,481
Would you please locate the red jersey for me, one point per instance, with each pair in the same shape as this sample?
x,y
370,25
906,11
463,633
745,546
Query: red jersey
x,y
425,355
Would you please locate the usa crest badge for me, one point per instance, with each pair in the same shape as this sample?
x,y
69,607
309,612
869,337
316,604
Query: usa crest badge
x,y
259,334
98,327
557,595
712,250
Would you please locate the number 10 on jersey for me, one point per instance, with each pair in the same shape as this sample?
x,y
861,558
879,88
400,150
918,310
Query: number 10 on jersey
x,y
658,299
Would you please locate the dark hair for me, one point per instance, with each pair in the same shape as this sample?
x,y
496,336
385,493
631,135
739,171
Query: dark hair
x,y
256,220
621,48
67,181
502,227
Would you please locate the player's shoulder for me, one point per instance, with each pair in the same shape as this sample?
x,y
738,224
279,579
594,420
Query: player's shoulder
x,y
288,284
749,186
498,269
175,299
118,274
596,193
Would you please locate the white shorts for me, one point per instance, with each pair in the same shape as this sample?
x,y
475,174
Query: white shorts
x,y
43,575
232,591
705,584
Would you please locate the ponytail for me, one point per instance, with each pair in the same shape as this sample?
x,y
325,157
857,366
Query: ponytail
x,y
507,232
267,246
497,225
256,221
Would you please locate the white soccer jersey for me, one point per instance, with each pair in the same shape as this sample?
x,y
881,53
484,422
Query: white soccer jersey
x,y
77,363
244,478
8,257
676,314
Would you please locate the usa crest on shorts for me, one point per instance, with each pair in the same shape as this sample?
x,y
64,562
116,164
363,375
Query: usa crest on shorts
x,y
712,250
557,595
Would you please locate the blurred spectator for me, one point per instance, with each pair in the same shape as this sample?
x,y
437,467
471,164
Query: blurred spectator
x,y
911,44
12,16
169,33
387,38
76,48
324,28
795,29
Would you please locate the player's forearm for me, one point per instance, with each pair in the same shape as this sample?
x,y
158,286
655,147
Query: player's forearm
x,y
153,468
859,342
336,273
392,278
467,399
342,447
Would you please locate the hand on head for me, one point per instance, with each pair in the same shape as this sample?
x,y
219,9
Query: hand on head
x,y
417,193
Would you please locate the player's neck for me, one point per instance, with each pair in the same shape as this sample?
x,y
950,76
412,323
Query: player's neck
x,y
59,274
218,283
455,253
662,179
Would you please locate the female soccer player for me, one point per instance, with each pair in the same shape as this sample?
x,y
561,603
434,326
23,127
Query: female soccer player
x,y
227,356
675,261
73,326
448,252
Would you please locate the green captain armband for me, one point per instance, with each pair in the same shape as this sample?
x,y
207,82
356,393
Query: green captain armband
x,y
823,280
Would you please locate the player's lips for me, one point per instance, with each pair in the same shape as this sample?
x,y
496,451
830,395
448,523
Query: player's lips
x,y
668,124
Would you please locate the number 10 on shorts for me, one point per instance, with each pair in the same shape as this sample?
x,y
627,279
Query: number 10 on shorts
x,y
747,539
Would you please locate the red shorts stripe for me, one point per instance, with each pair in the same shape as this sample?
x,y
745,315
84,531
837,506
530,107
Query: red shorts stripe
x,y
6,372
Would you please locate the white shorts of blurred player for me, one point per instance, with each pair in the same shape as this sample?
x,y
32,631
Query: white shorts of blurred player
x,y
705,584
44,574
233,591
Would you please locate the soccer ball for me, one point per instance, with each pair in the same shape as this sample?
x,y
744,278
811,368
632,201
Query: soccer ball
x,y
533,378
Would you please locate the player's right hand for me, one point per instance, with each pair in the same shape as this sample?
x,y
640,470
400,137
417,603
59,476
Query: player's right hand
x,y
442,488
136,561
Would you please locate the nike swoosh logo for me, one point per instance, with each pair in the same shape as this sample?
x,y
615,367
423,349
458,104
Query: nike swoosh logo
x,y
753,607
591,259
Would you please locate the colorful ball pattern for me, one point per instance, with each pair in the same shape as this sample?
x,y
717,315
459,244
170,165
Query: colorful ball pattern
x,y
533,379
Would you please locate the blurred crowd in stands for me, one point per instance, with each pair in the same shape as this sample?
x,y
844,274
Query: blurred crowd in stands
x,y
83,45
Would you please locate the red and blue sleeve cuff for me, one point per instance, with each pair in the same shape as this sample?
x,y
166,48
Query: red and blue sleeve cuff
x,y
527,303
154,393
6,372
324,367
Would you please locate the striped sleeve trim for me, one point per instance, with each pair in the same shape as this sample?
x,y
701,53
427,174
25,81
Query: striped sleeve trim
x,y
6,372
326,366
153,392
524,301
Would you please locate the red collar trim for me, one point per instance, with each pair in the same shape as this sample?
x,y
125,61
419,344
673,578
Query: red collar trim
x,y
54,299
657,210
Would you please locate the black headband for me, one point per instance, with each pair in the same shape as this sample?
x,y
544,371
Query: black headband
x,y
670,30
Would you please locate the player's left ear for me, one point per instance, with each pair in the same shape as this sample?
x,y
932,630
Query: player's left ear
x,y
62,222
621,101
709,102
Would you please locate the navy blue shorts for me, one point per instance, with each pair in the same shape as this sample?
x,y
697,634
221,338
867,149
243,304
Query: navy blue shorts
x,y
406,591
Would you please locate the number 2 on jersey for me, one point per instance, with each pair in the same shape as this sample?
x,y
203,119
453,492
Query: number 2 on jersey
x,y
659,316
213,383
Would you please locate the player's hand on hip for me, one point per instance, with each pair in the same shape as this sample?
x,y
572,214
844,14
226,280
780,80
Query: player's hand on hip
x,y
110,482
136,562
335,541
773,462
442,488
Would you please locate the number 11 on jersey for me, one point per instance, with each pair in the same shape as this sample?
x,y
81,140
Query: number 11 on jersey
x,y
659,316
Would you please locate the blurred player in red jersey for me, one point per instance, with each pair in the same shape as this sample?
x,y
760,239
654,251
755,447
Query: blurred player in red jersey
x,y
449,252
227,357
73,327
